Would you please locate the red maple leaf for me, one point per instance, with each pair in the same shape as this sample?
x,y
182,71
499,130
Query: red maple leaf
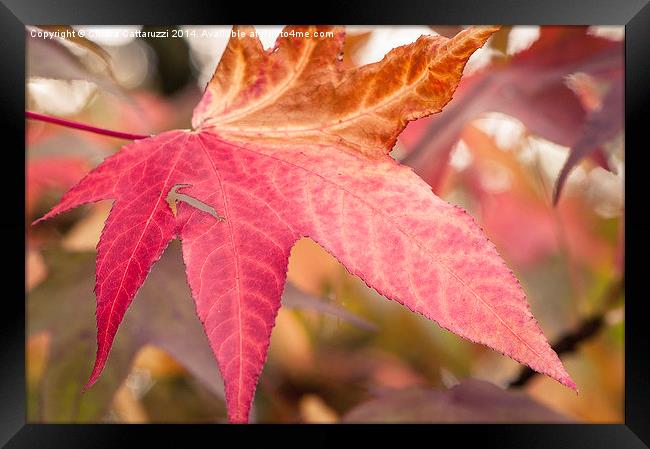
x,y
287,143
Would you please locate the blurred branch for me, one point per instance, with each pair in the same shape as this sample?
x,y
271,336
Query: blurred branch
x,y
82,126
588,328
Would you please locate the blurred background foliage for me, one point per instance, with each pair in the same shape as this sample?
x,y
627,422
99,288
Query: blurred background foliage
x,y
339,352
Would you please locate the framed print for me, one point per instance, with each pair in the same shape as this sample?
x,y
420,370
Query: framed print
x,y
387,214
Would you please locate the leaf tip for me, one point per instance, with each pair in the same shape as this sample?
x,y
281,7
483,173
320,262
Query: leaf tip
x,y
568,382
47,216
88,385
94,376
563,377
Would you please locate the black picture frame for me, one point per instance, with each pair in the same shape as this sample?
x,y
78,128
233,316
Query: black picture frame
x,y
633,14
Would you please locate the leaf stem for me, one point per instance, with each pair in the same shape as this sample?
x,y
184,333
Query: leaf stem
x,y
82,126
